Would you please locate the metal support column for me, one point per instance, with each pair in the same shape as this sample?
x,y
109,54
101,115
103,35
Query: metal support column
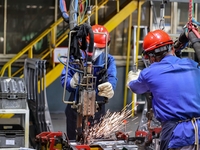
x,y
174,18
134,96
127,59
5,26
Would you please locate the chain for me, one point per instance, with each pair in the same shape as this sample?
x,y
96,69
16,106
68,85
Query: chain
x,y
190,11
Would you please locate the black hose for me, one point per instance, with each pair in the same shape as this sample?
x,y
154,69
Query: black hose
x,y
181,41
60,60
195,41
91,43
180,44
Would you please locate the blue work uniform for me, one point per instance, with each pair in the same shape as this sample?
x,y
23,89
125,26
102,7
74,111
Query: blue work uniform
x,y
175,86
71,114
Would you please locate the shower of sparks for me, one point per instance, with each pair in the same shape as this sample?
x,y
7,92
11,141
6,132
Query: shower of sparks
x,y
109,124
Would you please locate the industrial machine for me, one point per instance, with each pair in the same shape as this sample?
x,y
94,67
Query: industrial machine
x,y
148,133
85,104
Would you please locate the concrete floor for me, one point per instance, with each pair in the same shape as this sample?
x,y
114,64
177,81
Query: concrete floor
x,y
59,122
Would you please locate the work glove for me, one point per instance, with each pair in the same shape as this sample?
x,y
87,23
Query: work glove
x,y
132,76
74,80
106,90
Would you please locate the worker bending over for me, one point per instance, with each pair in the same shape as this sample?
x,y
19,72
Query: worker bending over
x,y
104,88
175,85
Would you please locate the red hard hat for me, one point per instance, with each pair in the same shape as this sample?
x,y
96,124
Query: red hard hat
x,y
156,39
100,39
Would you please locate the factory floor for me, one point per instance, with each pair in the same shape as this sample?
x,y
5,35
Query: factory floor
x,y
59,123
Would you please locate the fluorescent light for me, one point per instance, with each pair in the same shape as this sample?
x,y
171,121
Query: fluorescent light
x,y
1,39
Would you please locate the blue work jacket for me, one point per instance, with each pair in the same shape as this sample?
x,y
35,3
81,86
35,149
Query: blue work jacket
x,y
100,61
175,85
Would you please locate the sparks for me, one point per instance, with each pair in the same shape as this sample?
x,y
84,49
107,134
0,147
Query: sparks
x,y
109,124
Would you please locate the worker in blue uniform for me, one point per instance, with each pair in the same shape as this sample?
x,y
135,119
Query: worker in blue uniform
x,y
103,90
175,86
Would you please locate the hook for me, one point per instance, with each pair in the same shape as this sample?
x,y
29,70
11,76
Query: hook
x,y
162,24
162,15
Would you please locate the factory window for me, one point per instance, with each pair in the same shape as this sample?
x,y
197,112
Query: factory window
x,y
119,36
25,21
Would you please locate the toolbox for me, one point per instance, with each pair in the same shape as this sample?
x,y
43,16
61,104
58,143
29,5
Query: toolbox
x,y
11,136
13,93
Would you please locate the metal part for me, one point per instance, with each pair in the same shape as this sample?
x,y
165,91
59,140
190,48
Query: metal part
x,y
162,19
149,128
34,73
34,76
49,141
73,16
156,143
86,106
114,145
153,16
134,50
135,56
162,15
87,103
89,11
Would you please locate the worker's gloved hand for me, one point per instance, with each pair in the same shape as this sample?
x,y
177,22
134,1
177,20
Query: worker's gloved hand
x,y
106,90
74,80
132,76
